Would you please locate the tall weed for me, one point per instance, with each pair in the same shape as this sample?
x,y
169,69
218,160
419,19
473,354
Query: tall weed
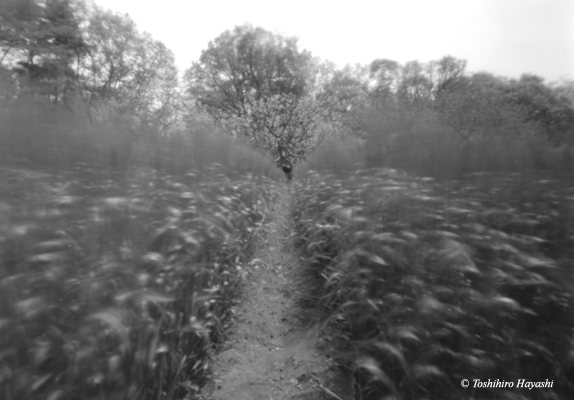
x,y
113,286
439,282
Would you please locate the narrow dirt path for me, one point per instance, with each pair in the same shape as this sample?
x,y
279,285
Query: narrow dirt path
x,y
277,349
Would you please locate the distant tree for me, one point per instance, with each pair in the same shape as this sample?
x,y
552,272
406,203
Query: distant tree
x,y
385,104
42,42
87,59
565,89
262,88
127,77
415,87
479,107
114,66
444,71
552,113
344,94
398,115
155,96
385,75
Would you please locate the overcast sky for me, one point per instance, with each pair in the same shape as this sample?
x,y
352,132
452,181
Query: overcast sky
x,y
504,37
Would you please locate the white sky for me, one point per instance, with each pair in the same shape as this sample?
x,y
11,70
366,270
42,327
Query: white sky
x,y
504,37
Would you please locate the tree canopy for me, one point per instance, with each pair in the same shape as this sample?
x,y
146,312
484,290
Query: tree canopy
x,y
261,87
88,60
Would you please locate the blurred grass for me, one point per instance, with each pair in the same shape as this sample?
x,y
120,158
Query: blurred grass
x,y
434,282
432,154
335,155
40,136
121,252
116,289
119,256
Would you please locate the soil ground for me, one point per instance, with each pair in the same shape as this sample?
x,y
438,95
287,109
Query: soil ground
x,y
278,347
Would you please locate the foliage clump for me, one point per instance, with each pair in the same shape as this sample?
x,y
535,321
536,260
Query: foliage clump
x,y
115,287
441,282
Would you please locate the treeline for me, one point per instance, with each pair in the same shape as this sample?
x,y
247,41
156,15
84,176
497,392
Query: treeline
x,y
89,61
72,59
436,117
79,84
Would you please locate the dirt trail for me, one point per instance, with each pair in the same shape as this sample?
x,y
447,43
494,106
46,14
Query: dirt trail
x,y
276,349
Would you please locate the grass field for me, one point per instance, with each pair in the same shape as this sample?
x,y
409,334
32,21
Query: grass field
x,y
435,282
112,285
120,260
